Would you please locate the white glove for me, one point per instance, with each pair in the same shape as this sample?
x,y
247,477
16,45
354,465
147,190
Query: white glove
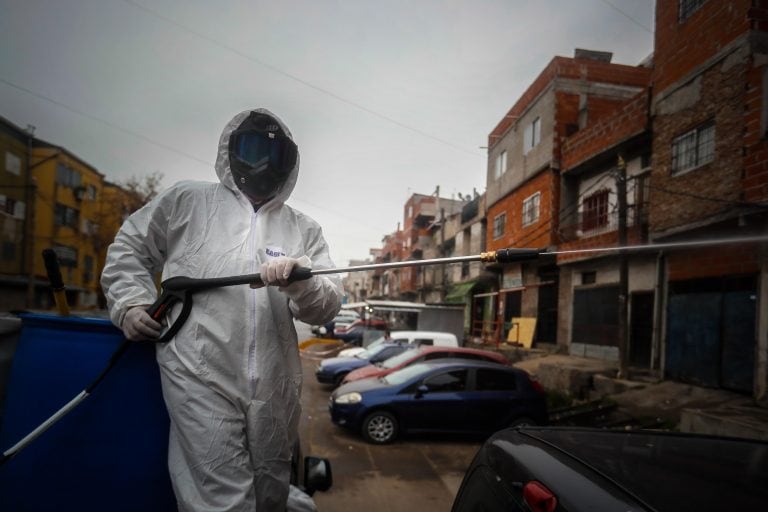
x,y
276,272
138,325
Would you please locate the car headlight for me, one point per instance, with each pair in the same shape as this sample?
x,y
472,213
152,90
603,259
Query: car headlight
x,y
349,398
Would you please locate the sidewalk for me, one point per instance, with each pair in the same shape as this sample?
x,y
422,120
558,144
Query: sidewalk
x,y
690,408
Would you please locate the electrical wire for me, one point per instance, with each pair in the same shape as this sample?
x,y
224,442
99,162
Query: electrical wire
x,y
297,79
628,16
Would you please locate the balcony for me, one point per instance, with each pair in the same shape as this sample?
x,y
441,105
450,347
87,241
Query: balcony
x,y
598,223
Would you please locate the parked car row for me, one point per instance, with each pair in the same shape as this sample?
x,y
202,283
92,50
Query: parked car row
x,y
420,338
398,387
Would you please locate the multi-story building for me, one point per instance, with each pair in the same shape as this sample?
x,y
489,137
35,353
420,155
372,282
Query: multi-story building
x,y
709,181
594,160
53,199
16,278
523,178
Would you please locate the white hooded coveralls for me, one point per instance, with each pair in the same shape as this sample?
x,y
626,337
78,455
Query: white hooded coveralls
x,y
231,377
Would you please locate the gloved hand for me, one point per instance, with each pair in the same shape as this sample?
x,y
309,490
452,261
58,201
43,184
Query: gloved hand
x,y
138,325
275,272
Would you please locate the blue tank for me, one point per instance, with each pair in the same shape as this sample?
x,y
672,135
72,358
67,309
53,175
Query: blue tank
x,y
110,452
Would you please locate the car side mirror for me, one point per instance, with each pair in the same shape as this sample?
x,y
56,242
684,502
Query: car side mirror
x,y
421,391
317,474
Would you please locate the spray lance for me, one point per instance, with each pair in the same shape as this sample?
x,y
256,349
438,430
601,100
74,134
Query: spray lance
x,y
182,289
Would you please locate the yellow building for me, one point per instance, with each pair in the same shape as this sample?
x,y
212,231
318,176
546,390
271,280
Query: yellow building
x,y
66,215
64,204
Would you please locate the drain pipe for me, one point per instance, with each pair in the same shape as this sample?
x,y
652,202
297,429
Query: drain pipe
x,y
659,318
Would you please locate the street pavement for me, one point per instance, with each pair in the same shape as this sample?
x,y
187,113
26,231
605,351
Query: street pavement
x,y
416,473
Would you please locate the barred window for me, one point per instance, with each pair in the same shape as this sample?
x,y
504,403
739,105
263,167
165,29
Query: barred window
x,y
531,209
595,214
688,7
499,223
66,216
694,148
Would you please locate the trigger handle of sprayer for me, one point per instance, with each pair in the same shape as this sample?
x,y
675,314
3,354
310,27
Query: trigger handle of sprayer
x,y
180,289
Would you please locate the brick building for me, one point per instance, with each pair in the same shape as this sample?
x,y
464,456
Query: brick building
x,y
709,180
523,177
590,285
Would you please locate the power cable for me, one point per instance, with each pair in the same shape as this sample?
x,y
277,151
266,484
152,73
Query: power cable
x,y
707,198
298,79
160,144
628,16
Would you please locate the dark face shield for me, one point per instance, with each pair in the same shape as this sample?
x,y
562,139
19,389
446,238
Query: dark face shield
x,y
261,157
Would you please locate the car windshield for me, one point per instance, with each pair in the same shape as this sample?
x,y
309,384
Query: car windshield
x,y
370,352
405,374
395,361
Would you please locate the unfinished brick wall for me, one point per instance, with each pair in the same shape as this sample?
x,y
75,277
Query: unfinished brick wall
x,y
681,47
716,95
538,234
581,69
624,122
740,259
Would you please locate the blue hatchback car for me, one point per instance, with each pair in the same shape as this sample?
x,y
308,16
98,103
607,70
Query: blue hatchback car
x,y
334,369
444,395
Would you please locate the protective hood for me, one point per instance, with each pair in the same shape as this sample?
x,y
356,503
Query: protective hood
x,y
224,170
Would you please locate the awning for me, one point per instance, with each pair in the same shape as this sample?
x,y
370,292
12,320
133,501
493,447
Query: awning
x,y
459,292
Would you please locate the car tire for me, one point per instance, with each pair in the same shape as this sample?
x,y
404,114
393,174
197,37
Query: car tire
x,y
523,422
380,427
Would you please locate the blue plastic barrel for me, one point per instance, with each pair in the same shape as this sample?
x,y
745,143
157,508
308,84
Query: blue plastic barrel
x,y
110,452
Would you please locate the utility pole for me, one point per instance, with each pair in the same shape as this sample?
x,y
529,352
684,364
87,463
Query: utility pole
x,y
621,192
28,251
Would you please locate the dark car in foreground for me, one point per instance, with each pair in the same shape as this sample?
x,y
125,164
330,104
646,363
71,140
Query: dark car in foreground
x,y
334,369
446,395
570,469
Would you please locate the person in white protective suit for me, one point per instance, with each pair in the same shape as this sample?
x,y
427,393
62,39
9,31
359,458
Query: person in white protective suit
x,y
231,377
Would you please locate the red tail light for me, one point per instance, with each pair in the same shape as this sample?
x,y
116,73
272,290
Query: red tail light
x,y
535,384
538,497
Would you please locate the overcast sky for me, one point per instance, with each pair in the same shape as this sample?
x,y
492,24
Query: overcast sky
x,y
384,98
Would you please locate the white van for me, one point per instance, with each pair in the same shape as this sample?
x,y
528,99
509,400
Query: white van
x,y
418,338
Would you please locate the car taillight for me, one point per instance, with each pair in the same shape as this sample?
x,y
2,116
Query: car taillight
x,y
535,384
538,497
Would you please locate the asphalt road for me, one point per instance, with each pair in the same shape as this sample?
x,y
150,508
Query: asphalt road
x,y
415,473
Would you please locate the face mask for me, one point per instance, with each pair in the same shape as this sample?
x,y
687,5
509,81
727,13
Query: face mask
x,y
261,157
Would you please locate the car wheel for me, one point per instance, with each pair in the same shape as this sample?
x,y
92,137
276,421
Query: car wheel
x,y
380,427
523,422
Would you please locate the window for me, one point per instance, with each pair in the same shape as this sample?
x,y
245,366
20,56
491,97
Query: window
x,y
449,381
589,277
12,163
91,192
67,176
10,205
501,164
498,225
495,380
694,148
88,269
595,214
9,251
532,134
66,216
531,209
688,7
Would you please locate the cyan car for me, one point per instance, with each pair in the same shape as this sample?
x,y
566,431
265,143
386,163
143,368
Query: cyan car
x,y
444,395
334,369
